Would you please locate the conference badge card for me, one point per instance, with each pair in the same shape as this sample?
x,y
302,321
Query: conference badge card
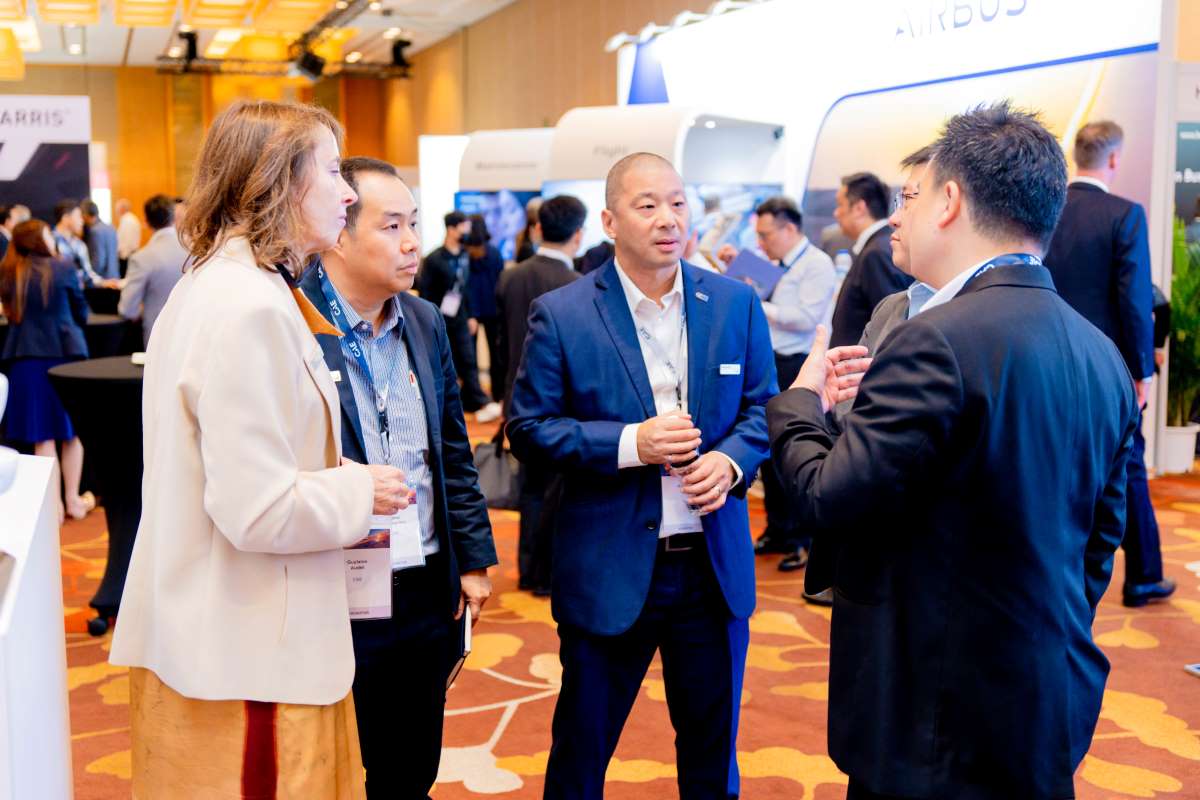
x,y
369,574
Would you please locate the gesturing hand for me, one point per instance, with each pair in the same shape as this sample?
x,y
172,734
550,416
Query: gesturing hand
x,y
833,375
706,481
668,438
391,493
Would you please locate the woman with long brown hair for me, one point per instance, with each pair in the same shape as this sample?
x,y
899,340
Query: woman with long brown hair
x,y
235,617
46,314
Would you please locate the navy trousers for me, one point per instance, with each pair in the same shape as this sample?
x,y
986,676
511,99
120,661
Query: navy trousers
x,y
703,651
400,684
1143,555
783,518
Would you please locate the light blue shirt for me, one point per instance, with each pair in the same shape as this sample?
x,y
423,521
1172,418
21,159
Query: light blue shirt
x,y
918,295
802,299
407,425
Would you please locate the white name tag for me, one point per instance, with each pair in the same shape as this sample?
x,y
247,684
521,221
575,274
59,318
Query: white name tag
x,y
678,516
731,369
451,303
406,538
369,574
336,375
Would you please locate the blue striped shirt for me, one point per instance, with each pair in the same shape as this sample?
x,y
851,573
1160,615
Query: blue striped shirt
x,y
407,425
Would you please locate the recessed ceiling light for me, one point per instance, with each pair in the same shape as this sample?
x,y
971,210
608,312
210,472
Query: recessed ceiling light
x,y
74,49
376,6
341,5
175,52
392,33
354,57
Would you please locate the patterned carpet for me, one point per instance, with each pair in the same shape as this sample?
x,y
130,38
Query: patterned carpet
x,y
498,728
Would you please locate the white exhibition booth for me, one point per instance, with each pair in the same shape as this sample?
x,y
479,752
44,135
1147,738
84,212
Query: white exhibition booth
x,y
35,735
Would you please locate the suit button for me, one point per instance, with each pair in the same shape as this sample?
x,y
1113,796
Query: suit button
x,y
651,525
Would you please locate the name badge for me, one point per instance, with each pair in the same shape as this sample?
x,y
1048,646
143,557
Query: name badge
x,y
451,303
406,547
336,375
677,515
369,574
731,369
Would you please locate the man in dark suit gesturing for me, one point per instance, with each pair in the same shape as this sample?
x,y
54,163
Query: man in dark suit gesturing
x,y
644,385
1100,261
977,488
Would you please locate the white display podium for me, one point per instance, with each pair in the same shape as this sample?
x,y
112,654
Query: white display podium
x,y
35,731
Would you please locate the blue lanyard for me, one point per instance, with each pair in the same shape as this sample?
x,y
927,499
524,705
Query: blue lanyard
x,y
360,357
799,255
1009,260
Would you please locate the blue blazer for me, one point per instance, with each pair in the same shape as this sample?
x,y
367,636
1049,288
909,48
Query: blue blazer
x,y
51,327
582,380
1100,261
460,517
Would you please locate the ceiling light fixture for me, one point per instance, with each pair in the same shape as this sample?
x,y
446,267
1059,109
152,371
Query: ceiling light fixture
x,y
12,63
12,10
27,35
69,12
375,5
353,57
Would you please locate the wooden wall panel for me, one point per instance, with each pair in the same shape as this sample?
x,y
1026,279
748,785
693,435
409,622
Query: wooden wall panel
x,y
364,112
1188,31
140,164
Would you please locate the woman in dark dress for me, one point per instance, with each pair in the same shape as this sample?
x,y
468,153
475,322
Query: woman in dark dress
x,y
46,312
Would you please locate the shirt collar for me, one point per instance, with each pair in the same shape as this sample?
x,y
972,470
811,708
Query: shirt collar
x,y
1099,184
557,255
794,254
861,242
919,295
392,315
950,290
635,297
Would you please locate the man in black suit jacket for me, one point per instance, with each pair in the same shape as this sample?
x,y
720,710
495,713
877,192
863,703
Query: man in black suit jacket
x,y
978,490
403,662
862,211
1100,261
560,220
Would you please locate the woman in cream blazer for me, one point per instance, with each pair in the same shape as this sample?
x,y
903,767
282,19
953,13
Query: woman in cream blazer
x,y
235,614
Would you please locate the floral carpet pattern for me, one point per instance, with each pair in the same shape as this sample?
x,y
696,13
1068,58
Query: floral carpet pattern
x,y
1147,744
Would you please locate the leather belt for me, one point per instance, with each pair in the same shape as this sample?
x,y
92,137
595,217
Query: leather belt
x,y
681,543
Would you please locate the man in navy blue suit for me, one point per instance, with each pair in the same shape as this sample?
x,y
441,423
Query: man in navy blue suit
x,y
644,385
1100,261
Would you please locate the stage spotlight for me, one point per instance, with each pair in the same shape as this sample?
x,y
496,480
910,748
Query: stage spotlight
x,y
310,65
189,40
398,58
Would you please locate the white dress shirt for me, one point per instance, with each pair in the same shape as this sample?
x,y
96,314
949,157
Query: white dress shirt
x,y
861,241
129,235
1099,184
802,299
557,255
667,327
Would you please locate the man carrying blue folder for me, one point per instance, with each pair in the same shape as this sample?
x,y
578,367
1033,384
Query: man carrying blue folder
x,y
801,299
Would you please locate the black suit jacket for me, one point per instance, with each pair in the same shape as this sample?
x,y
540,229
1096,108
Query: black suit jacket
x,y
1100,260
516,290
871,278
439,274
460,517
977,491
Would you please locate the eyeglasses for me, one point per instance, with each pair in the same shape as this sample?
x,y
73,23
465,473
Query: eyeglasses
x,y
901,198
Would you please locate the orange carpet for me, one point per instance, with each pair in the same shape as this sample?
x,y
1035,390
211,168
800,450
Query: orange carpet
x,y
498,728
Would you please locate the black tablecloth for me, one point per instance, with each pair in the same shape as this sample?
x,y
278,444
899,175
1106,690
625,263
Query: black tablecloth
x,y
106,335
103,396
102,300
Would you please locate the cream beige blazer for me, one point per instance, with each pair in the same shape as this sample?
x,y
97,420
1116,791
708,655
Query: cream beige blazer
x,y
236,587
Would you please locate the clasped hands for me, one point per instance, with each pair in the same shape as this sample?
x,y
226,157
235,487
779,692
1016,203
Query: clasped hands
x,y
833,375
672,439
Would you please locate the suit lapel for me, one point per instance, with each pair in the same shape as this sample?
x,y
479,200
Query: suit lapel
x,y
418,349
699,328
331,346
614,312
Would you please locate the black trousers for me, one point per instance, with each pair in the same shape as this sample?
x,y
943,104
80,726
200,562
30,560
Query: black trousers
x,y
782,520
857,791
703,656
1143,554
541,492
497,355
462,349
400,684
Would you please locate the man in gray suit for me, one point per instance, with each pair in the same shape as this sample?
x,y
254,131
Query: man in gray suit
x,y
890,312
154,269
101,241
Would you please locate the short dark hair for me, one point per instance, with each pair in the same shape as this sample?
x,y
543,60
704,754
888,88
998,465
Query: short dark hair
x,y
867,186
454,219
89,208
1095,141
5,214
479,234
160,211
918,157
1011,169
561,218
782,209
351,169
616,174
64,207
